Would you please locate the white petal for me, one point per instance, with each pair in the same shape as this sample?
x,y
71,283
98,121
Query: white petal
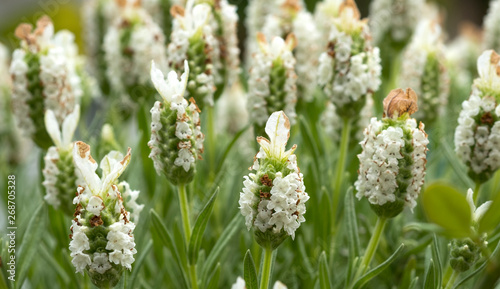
x,y
52,127
87,166
481,210
115,172
483,64
278,130
470,200
69,126
109,161
159,81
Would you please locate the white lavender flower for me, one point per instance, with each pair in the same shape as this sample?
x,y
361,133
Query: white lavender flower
x,y
349,71
491,38
292,18
325,13
102,240
392,163
394,21
232,109
477,136
60,178
176,138
332,122
273,198
193,39
44,77
240,284
423,70
131,42
272,83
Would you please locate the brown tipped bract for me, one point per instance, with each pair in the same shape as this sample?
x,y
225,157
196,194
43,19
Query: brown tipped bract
x,y
399,102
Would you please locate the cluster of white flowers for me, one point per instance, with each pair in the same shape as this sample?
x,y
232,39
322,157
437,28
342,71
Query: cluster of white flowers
x,y
477,136
332,122
131,42
324,14
273,199
59,175
392,163
256,13
292,18
193,39
491,24
240,284
349,71
272,83
424,70
100,210
396,19
187,138
44,71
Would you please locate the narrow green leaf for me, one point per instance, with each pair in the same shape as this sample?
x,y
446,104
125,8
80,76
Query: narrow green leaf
x,y
147,164
138,264
448,208
305,257
430,276
308,139
221,243
49,258
165,236
409,273
438,271
375,271
457,167
199,228
491,218
29,245
249,272
351,223
324,278
414,283
213,282
230,146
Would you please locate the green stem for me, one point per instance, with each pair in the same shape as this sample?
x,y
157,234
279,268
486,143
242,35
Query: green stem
x,y
447,274
184,212
476,192
452,280
344,145
192,275
211,141
266,268
372,248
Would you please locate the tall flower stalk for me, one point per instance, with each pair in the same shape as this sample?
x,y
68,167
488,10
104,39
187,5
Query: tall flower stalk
x,y
477,136
392,164
42,79
273,198
102,239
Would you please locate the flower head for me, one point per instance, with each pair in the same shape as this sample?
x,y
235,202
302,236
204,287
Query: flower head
x,y
392,163
273,198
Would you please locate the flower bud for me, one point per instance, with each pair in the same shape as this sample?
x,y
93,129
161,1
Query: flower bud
x,y
176,139
60,178
132,41
349,70
424,71
42,79
293,18
272,81
102,240
273,198
193,39
392,163
477,136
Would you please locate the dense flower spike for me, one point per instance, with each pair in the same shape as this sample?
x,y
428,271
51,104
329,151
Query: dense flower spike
x,y
332,122
349,71
60,178
477,136
160,10
194,39
273,198
293,18
392,163
492,27
44,77
98,15
393,22
423,70
176,139
102,240
272,81
325,13
132,41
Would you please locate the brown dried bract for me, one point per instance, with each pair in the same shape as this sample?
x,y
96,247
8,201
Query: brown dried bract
x,y
77,210
266,181
194,102
291,5
83,148
399,102
350,4
264,195
487,118
291,41
494,59
96,221
177,11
